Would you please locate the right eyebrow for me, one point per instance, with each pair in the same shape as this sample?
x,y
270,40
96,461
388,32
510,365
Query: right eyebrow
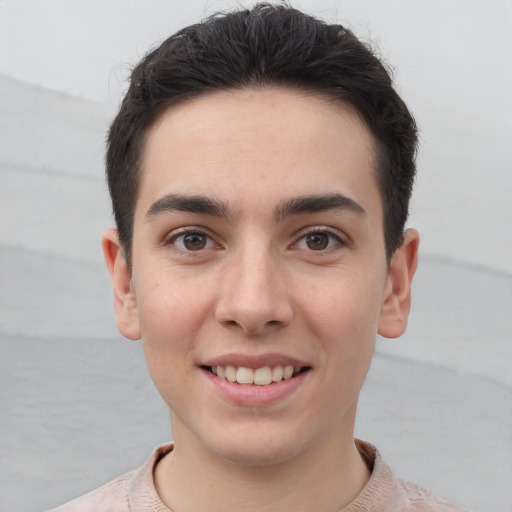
x,y
191,204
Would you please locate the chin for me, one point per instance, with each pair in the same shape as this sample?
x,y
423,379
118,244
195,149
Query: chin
x,y
259,451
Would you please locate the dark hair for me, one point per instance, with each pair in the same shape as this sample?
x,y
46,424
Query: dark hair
x,y
266,45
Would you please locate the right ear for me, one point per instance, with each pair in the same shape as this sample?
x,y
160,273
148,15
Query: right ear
x,y
125,302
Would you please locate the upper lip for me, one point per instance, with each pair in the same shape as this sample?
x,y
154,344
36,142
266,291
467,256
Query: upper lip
x,y
254,362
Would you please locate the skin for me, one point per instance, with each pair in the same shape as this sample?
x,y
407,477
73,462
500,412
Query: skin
x,y
259,278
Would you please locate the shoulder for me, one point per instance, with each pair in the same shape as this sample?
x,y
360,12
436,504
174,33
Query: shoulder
x,y
419,499
386,493
112,496
131,492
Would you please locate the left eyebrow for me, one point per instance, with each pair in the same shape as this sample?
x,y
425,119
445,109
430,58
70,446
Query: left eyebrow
x,y
317,203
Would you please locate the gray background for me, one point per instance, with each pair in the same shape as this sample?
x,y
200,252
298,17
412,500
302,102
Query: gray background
x,y
77,407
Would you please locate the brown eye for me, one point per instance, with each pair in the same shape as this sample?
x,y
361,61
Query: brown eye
x,y
194,241
317,241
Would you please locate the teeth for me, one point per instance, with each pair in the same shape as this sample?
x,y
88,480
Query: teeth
x,y
244,375
230,373
263,376
260,376
277,373
287,372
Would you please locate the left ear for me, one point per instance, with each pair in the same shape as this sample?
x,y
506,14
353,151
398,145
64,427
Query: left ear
x,y
397,294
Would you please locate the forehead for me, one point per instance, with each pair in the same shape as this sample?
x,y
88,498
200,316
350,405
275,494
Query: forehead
x,y
235,143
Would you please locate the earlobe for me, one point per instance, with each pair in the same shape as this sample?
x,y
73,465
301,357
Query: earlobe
x,y
124,297
397,294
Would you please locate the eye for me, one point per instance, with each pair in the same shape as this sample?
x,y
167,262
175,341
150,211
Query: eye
x,y
318,241
192,241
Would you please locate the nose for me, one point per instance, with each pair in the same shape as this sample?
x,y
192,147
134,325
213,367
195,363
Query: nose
x,y
253,294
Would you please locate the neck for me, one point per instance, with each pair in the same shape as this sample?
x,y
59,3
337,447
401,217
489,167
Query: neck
x,y
325,477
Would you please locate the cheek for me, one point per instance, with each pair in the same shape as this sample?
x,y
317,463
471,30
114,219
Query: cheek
x,y
169,324
171,306
171,311
345,308
344,317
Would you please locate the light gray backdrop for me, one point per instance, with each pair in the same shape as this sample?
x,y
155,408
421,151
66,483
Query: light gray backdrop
x,y
76,405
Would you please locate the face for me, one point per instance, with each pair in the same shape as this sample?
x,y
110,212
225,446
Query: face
x,y
258,258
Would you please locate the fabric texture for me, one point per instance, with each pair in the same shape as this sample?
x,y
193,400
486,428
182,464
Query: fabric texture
x,y
135,491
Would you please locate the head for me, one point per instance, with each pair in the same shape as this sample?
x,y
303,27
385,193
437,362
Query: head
x,y
269,45
260,169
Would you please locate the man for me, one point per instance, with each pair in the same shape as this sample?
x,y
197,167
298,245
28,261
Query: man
x,y
260,169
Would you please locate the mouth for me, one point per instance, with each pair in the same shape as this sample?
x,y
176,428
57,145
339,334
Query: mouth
x,y
263,376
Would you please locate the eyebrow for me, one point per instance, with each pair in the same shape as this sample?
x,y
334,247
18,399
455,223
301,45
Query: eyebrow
x,y
317,203
190,204
293,206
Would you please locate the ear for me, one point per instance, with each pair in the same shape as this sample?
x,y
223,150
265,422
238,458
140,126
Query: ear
x,y
124,296
397,294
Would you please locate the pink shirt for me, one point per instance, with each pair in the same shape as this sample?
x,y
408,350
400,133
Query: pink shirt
x,y
135,491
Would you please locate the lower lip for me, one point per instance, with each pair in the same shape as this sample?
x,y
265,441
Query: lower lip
x,y
254,395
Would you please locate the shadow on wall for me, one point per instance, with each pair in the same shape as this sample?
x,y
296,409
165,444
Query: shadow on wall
x,y
52,192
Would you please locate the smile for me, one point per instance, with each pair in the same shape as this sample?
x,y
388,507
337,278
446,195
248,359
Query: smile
x,y
262,376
